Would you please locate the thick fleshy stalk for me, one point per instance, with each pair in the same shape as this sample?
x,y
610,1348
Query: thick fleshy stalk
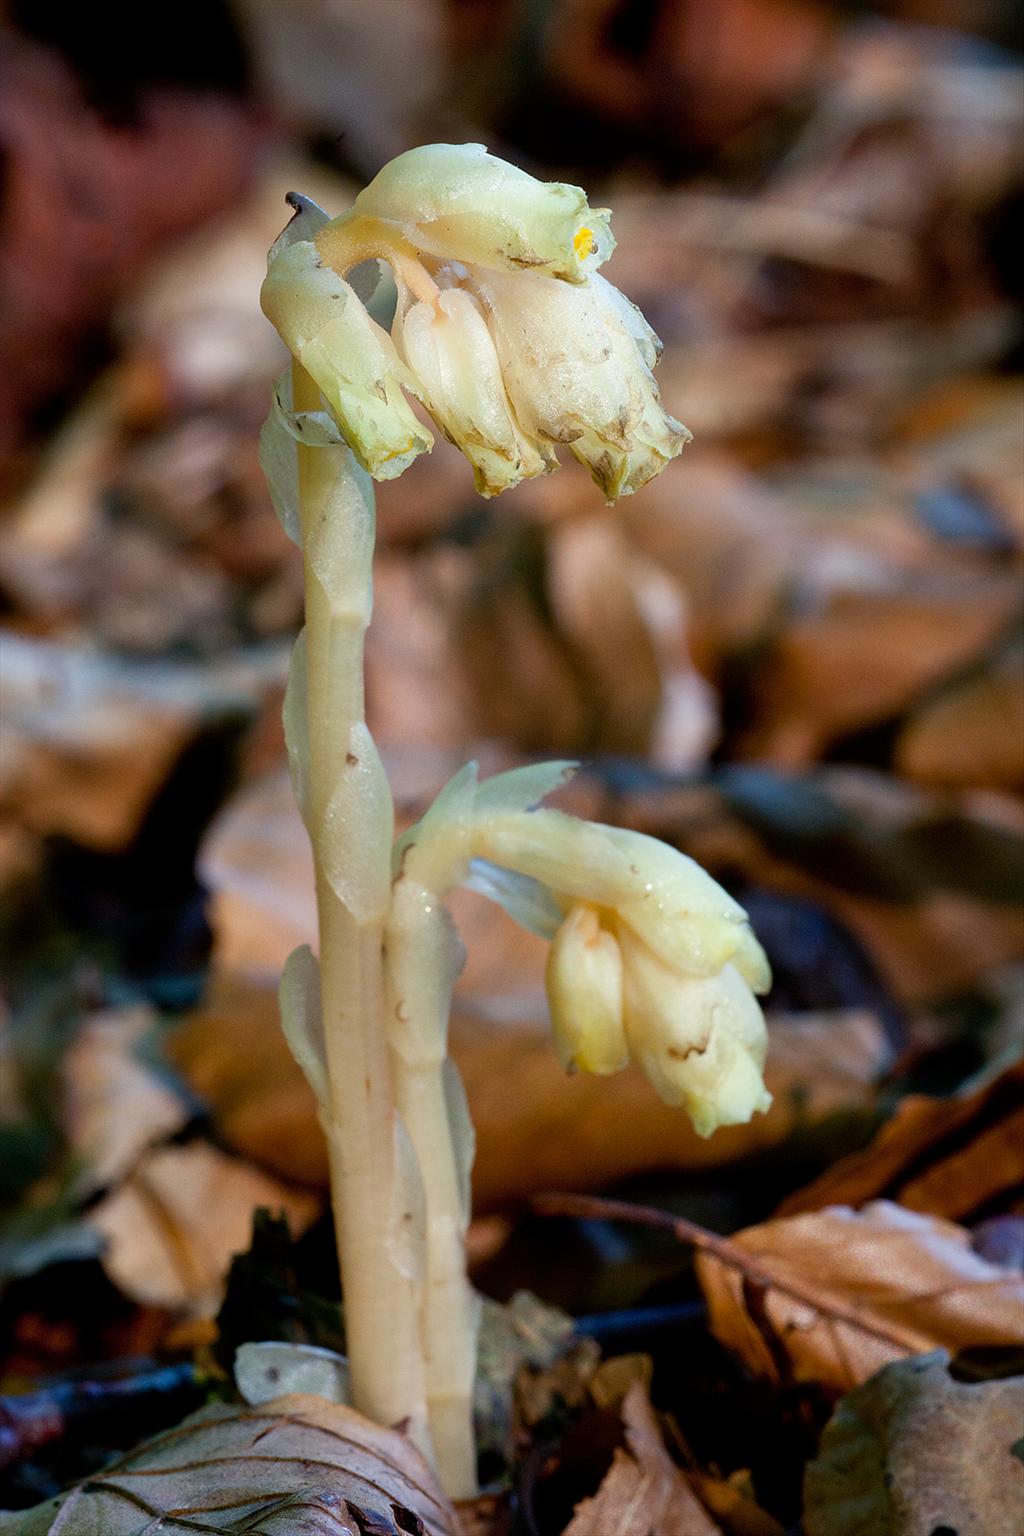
x,y
374,1181
423,957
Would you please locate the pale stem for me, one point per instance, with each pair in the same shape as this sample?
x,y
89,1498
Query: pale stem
x,y
423,956
373,1186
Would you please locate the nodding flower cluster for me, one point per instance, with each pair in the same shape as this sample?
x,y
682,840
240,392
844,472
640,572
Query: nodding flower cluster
x,y
650,960
503,329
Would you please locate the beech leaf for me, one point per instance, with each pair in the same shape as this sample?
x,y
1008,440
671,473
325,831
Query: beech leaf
x,y
948,1156
115,1105
298,1464
833,1295
644,1493
912,1452
172,1228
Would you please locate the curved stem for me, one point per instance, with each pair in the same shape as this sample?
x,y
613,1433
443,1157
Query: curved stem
x,y
346,241
374,1183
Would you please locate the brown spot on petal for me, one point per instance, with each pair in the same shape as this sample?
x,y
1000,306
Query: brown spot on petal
x,y
516,260
697,1049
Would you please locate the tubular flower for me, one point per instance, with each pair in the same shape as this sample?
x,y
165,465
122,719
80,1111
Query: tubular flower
x,y
650,960
584,986
503,327
456,202
449,348
679,999
577,365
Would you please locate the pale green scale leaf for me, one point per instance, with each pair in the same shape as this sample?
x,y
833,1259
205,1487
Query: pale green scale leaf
x,y
435,848
525,900
314,429
295,714
438,848
462,1133
305,223
407,1227
521,789
340,533
302,1021
279,460
359,814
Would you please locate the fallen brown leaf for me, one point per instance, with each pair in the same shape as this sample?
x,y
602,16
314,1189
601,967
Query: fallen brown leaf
x,y
928,947
296,1464
644,1493
731,1502
862,651
912,1452
948,1157
115,1106
833,1295
87,202
624,620
555,1131
81,757
173,1227
88,740
970,732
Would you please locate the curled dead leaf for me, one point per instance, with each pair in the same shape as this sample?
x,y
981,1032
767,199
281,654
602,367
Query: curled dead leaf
x,y
949,1157
296,1464
971,732
173,1227
115,1106
644,1493
833,1295
912,1452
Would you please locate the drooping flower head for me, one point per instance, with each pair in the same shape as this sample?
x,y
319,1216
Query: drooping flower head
x,y
650,959
504,328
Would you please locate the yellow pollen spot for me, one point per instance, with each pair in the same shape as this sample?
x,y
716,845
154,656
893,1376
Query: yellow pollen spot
x,y
397,452
583,242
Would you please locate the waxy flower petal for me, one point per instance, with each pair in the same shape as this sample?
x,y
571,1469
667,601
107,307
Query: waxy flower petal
x,y
664,897
448,347
459,203
577,373
584,987
700,1040
350,358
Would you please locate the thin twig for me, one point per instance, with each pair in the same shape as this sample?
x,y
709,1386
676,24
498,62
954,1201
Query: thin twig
x,y
733,1255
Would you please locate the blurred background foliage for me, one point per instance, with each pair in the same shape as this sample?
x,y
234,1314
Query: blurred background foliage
x,y
797,654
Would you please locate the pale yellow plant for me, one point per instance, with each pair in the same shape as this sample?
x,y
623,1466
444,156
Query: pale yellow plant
x,y
514,342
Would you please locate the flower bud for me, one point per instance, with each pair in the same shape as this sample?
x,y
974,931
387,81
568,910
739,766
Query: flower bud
x,y
351,359
584,986
578,371
459,203
700,1040
449,348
